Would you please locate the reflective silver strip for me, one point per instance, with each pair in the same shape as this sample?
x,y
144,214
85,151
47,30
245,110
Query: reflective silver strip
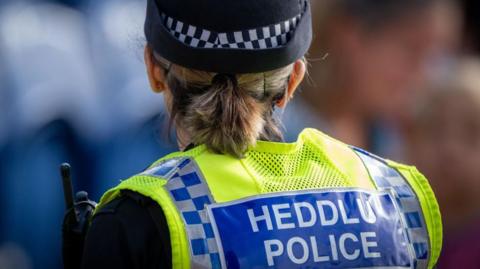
x,y
388,178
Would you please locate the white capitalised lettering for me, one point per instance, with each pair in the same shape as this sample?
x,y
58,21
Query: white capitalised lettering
x,y
343,250
366,211
279,216
301,219
377,204
368,244
273,253
265,217
316,257
321,210
333,246
306,249
305,253
343,213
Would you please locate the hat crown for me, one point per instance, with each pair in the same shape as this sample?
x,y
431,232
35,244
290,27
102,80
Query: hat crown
x,y
231,15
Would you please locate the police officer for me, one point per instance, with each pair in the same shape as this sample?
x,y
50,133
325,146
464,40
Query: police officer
x,y
235,196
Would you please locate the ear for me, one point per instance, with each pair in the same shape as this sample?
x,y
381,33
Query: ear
x,y
296,78
156,74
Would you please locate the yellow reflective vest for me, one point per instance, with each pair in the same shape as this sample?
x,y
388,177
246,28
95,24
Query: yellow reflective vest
x,y
315,203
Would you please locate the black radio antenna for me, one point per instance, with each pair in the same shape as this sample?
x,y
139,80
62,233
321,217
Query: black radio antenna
x,y
67,186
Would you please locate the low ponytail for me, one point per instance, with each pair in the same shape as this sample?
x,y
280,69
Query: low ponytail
x,y
225,117
227,113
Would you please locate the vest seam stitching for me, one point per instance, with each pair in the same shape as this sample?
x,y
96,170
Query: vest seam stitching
x,y
366,168
255,181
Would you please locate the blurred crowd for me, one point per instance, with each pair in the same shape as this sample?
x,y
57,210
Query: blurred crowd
x,y
399,78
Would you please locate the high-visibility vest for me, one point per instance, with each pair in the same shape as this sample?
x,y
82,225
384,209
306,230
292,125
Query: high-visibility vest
x,y
315,203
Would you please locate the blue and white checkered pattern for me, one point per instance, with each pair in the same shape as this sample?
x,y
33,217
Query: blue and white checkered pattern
x,y
271,36
190,193
388,178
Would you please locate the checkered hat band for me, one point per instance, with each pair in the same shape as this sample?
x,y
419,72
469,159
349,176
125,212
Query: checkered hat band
x,y
266,37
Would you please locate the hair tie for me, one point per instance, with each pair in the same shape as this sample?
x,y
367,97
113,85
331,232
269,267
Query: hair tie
x,y
222,78
167,70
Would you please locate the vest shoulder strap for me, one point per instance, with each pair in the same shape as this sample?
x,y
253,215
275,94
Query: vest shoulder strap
x,y
416,201
429,205
155,183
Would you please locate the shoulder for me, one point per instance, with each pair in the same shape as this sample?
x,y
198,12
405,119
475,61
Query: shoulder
x,y
331,146
126,215
380,169
409,185
137,218
124,203
154,177
123,232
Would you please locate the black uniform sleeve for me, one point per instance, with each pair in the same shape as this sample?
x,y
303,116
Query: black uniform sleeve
x,y
126,234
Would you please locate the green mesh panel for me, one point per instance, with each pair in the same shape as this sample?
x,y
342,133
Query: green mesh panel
x,y
144,181
305,168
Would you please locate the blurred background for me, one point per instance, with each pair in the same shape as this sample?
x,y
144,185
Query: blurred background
x,y
399,78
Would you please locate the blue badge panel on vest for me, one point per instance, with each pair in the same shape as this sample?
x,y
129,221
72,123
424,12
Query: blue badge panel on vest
x,y
314,229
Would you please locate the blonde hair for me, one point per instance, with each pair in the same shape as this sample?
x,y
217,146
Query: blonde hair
x,y
229,114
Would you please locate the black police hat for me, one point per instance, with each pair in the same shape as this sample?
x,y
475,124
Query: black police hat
x,y
229,36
